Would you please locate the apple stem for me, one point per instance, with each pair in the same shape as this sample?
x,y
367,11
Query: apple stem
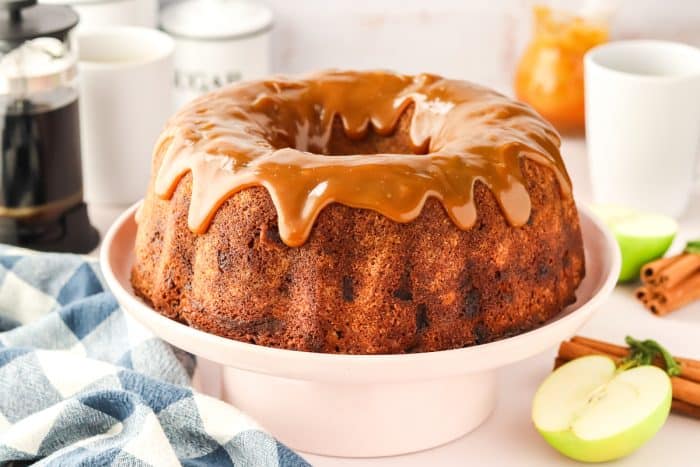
x,y
628,363
643,353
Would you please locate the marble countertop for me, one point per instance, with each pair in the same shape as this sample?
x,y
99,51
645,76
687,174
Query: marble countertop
x,y
507,437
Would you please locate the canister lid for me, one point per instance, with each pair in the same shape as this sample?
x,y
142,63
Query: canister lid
x,y
216,19
76,2
23,20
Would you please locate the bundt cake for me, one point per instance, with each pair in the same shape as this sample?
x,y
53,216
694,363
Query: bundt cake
x,y
358,212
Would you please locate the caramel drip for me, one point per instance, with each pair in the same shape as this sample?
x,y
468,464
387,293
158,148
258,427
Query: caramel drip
x,y
276,134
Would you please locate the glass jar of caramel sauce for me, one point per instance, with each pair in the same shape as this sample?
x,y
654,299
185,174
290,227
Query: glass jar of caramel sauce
x,y
549,75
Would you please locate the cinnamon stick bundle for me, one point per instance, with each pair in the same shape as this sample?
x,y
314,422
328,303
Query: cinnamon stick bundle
x,y
686,386
670,283
651,271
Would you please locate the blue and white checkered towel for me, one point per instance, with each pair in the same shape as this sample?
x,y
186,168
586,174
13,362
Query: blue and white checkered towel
x,y
80,384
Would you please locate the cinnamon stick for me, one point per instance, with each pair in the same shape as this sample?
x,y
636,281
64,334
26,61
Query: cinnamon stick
x,y
685,408
643,294
686,390
671,298
651,271
559,362
676,271
612,349
620,350
690,369
569,350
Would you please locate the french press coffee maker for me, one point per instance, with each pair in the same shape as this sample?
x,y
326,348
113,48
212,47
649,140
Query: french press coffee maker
x,y
41,188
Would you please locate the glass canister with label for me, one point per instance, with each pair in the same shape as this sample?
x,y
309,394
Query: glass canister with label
x,y
217,42
41,197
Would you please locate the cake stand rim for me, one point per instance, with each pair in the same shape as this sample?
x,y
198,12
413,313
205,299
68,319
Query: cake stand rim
x,y
116,257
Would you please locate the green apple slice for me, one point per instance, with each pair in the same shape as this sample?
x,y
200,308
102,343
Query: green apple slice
x,y
642,237
591,412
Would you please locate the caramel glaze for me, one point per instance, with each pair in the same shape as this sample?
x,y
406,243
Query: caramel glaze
x,y
275,134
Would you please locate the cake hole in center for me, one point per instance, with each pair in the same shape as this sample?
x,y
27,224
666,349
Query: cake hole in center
x,y
338,143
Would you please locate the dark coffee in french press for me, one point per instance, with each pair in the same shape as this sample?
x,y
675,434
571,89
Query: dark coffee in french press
x,y
41,199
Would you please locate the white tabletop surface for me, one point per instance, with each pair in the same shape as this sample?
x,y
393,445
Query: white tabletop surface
x,y
508,437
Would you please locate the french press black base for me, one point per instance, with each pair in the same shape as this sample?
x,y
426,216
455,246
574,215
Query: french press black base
x,y
69,233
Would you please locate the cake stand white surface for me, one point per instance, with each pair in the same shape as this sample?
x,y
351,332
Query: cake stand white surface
x,y
507,437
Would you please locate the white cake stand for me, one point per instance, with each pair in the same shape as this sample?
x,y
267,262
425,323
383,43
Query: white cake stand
x,y
357,405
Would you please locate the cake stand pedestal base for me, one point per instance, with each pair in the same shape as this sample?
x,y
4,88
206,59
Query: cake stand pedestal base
x,y
363,420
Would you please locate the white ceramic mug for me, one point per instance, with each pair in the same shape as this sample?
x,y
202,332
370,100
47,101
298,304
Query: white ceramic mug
x,y
99,13
643,123
126,96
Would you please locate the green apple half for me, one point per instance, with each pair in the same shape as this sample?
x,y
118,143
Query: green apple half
x,y
642,237
591,412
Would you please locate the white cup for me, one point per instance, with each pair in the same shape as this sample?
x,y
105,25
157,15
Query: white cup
x,y
643,123
99,13
126,96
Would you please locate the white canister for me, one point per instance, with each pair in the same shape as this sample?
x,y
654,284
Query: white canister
x,y
217,42
99,13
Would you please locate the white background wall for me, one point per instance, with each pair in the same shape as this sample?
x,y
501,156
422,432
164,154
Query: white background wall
x,y
471,39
